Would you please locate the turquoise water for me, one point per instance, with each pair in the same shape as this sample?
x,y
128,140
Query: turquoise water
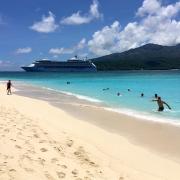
x,y
90,86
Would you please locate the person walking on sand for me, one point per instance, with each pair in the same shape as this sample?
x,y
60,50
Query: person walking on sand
x,y
9,85
161,104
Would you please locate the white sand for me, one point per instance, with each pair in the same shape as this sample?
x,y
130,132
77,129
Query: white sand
x,y
39,141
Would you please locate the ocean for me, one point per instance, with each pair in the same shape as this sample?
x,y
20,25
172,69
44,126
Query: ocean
x,y
103,87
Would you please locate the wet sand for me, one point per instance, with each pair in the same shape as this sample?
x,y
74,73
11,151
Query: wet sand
x,y
157,136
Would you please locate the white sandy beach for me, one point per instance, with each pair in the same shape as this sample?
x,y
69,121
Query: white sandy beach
x,y
39,141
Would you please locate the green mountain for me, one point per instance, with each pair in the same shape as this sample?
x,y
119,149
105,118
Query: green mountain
x,y
147,57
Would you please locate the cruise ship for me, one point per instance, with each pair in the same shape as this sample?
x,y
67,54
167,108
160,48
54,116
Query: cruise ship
x,y
71,65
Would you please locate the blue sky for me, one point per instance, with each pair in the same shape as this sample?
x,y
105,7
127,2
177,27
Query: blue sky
x,y
59,29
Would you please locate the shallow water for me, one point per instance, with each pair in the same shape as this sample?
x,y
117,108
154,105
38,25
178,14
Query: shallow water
x,y
90,86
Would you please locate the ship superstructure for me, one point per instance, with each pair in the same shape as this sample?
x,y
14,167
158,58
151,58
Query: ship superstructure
x,y
71,65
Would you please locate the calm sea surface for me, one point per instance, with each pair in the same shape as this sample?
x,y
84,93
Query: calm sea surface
x,y
90,86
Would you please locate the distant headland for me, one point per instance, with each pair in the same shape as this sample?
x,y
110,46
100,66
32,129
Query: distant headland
x,y
146,57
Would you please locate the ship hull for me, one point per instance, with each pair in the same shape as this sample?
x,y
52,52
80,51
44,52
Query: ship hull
x,y
74,69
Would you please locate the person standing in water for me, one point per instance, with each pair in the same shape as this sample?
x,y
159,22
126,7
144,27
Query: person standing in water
x,y
9,85
156,96
161,104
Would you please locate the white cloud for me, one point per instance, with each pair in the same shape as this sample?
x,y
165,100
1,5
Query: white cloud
x,y
94,12
77,18
149,7
46,25
25,50
5,63
156,24
62,50
104,40
81,44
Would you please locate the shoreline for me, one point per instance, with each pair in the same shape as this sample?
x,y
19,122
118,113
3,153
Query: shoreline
x,y
119,147
126,111
121,124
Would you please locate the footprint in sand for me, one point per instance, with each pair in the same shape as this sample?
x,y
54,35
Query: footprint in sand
x,y
52,142
77,153
6,130
70,143
19,129
83,157
25,163
54,160
43,150
59,149
36,135
42,141
121,178
18,147
64,166
75,172
92,164
48,176
41,161
29,170
61,175
12,170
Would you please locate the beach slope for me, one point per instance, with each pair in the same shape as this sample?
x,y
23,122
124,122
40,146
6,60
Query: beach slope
x,y
40,141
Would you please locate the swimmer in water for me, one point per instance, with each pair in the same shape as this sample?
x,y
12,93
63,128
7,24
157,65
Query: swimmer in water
x,y
156,96
105,89
161,104
118,94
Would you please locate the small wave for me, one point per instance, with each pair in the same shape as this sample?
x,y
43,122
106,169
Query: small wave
x,y
173,111
82,97
76,95
125,111
144,116
49,89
